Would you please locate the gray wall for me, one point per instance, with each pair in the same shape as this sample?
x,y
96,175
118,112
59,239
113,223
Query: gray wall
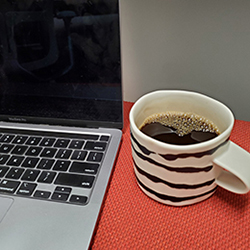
x,y
200,45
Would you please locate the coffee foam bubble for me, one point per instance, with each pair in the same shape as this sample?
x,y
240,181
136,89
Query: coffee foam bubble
x,y
183,122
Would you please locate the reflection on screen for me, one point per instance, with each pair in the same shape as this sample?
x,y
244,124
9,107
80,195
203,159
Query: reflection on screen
x,y
60,59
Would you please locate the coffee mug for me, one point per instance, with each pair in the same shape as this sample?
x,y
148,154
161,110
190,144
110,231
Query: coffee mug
x,y
186,174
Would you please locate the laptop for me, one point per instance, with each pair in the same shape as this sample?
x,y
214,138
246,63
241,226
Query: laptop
x,y
61,119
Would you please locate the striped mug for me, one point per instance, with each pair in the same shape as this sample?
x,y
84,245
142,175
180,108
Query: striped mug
x,y
186,174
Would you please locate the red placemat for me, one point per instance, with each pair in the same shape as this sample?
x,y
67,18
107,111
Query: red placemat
x,y
131,220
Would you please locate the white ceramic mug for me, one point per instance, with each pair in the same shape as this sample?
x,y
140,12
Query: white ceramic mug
x,y
186,174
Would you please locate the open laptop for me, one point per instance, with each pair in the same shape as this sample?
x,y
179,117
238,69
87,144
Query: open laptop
x,y
61,119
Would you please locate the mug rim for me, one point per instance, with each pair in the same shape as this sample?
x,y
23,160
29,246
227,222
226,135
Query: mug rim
x,y
222,137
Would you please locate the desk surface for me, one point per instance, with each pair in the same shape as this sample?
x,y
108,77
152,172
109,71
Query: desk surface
x,y
131,220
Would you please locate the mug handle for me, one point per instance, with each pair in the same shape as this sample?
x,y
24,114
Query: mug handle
x,y
234,165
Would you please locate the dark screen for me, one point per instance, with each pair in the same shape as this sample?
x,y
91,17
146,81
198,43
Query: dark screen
x,y
60,62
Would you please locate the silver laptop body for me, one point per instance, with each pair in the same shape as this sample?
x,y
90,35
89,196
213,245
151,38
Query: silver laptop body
x,y
61,119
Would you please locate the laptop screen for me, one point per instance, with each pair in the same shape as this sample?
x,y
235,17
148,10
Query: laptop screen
x,y
60,62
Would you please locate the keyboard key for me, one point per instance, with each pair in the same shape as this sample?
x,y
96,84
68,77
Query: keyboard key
x,y
33,140
30,162
59,197
15,173
26,189
4,158
95,157
46,177
74,180
48,152
6,148
34,151
104,138
19,150
98,146
63,153
76,144
30,175
7,138
3,171
45,164
62,143
47,142
79,155
78,199
84,167
15,160
90,137
20,139
61,165
7,186
64,190
42,194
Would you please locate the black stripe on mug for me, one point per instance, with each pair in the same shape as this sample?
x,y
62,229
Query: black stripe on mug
x,y
173,169
172,185
172,198
142,148
172,157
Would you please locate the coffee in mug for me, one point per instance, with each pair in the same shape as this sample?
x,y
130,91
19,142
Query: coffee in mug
x,y
179,128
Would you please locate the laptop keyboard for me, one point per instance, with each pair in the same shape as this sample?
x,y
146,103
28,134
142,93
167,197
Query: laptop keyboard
x,y
56,167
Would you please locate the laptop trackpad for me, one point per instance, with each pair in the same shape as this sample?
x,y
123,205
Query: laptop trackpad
x,y
5,204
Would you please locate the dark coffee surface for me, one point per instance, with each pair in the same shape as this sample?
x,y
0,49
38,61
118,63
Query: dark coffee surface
x,y
169,135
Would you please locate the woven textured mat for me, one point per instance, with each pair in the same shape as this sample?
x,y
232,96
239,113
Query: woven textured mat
x,y
131,220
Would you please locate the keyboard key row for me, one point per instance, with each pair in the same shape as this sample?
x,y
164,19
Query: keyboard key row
x,y
66,179
50,141
33,133
64,154
48,176
48,152
90,145
27,189
45,164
